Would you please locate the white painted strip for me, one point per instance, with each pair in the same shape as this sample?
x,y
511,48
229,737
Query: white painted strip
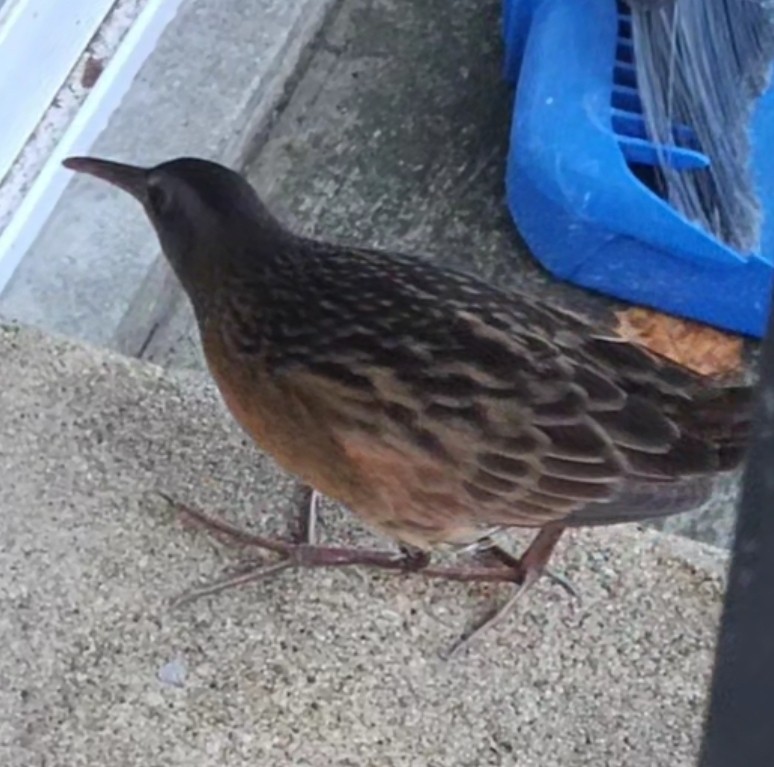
x,y
40,41
91,120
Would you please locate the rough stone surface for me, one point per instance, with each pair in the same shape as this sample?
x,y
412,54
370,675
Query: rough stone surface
x,y
313,668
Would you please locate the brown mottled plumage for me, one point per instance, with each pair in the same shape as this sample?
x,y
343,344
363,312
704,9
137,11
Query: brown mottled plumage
x,y
432,404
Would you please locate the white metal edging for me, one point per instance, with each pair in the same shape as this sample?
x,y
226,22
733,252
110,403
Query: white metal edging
x,y
86,126
40,42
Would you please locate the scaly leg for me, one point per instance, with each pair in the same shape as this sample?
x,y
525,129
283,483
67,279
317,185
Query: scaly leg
x,y
529,567
499,554
306,553
294,554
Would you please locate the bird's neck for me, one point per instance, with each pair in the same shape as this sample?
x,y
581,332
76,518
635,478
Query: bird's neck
x,y
246,248
238,294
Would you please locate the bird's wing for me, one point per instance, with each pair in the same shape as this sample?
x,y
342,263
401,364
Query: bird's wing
x,y
531,415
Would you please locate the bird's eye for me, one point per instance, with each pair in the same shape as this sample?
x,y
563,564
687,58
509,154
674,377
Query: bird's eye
x,y
158,199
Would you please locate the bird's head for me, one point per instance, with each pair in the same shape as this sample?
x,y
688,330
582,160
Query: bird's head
x,y
206,216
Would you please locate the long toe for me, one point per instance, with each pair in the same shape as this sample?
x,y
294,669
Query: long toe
x,y
247,573
494,617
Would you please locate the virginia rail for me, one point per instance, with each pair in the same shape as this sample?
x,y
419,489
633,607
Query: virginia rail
x,y
434,405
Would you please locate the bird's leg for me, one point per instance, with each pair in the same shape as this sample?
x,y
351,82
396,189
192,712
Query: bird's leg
x,y
414,560
499,554
306,533
294,554
306,553
307,519
528,569
304,526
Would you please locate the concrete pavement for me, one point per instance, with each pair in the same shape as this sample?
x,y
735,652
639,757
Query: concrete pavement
x,y
311,668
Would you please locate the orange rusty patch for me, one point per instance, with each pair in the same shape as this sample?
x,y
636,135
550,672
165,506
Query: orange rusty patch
x,y
698,347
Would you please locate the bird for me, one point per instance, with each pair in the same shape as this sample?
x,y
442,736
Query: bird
x,y
439,408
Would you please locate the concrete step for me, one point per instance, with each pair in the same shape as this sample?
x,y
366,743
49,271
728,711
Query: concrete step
x,y
325,668
210,88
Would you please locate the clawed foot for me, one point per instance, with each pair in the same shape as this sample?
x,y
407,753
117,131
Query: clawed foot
x,y
306,555
305,552
529,567
490,549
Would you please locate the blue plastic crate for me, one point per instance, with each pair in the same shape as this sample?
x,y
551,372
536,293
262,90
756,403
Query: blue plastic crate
x,y
576,135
